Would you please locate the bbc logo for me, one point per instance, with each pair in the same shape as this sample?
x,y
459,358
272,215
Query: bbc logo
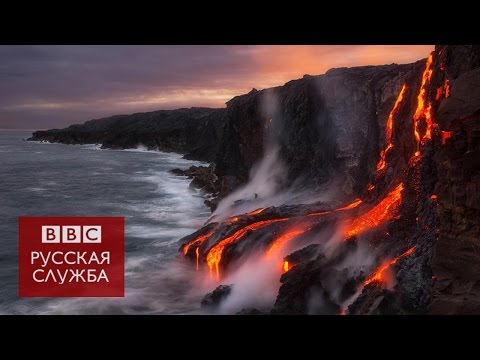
x,y
71,234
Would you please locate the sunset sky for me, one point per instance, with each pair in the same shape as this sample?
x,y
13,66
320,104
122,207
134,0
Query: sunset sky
x,y
54,86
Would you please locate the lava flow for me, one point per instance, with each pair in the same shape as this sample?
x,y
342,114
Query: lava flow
x,y
389,130
198,255
446,88
379,274
251,213
446,135
282,240
197,241
382,212
214,256
352,205
443,91
255,212
286,266
423,106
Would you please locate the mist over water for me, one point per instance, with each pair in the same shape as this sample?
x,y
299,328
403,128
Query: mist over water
x,y
39,179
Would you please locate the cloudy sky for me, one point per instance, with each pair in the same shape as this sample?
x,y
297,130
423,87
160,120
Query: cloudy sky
x,y
54,86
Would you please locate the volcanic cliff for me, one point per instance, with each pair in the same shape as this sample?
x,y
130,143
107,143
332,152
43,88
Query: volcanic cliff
x,y
376,184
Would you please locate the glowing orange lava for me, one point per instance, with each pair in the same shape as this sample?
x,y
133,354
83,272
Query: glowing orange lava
x,y
282,240
370,187
199,240
434,197
286,266
423,106
214,256
234,219
439,94
379,274
383,211
443,91
352,205
446,135
446,88
389,130
197,253
256,212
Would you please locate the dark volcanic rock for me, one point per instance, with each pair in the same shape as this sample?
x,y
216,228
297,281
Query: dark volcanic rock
x,y
316,284
455,263
251,312
214,299
204,177
438,216
195,132
322,124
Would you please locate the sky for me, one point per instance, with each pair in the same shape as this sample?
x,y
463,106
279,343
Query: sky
x,y
53,86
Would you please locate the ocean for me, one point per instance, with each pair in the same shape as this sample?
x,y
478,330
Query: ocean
x,y
41,179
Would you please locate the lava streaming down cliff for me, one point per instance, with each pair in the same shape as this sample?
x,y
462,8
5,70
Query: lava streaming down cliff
x,y
214,255
389,130
352,205
384,202
283,240
424,108
198,241
379,274
381,213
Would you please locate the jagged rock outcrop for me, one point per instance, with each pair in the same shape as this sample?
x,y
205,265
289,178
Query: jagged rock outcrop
x,y
195,132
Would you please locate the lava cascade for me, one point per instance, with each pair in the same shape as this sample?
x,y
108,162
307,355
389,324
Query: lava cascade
x,y
197,241
379,273
214,256
352,205
424,108
389,130
385,210
283,239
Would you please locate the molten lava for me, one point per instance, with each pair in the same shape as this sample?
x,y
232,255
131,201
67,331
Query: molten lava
x,y
389,130
352,205
197,241
286,266
443,91
376,216
234,219
370,187
282,240
379,274
197,253
256,212
446,135
214,256
424,108
446,88
439,94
